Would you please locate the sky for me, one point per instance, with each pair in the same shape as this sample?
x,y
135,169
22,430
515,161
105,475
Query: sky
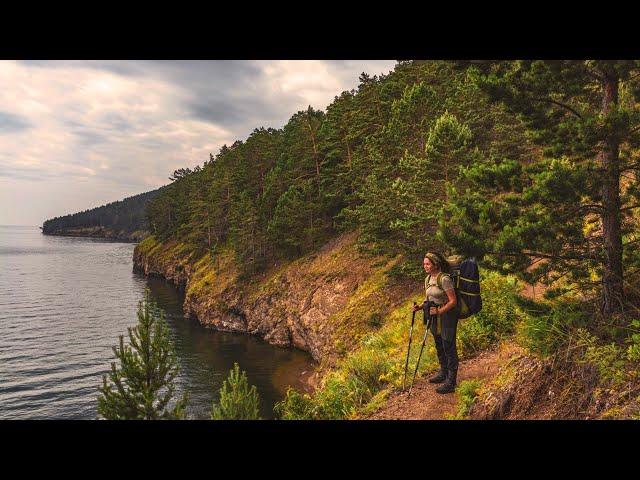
x,y
75,135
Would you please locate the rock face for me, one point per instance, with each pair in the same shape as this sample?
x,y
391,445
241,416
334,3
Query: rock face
x,y
313,303
155,266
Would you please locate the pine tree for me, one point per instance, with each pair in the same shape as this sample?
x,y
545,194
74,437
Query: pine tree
x,y
142,386
585,117
237,400
245,233
420,190
412,161
380,199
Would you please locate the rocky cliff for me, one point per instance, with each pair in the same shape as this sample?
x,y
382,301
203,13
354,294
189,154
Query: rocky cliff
x,y
322,303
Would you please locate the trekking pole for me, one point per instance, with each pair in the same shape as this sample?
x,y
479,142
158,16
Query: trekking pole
x,y
424,340
406,365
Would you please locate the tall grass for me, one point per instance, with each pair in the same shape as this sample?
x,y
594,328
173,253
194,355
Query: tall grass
x,y
467,393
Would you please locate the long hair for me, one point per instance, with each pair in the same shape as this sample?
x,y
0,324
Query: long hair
x,y
439,261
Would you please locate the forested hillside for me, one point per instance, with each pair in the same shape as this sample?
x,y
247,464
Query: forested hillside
x,y
373,160
530,166
125,219
519,163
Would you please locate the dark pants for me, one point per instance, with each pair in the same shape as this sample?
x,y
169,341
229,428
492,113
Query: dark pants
x,y
446,341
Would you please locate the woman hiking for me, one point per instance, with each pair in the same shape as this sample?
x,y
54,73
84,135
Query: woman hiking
x,y
439,290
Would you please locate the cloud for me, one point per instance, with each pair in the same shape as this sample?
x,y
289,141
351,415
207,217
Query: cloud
x,y
10,123
217,111
124,126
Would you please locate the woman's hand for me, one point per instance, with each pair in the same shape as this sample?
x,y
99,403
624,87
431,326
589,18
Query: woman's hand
x,y
417,307
452,302
433,311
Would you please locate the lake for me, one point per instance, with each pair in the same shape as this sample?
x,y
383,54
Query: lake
x,y
63,303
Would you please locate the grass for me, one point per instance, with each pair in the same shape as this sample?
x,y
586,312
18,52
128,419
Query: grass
x,y
148,246
364,310
468,392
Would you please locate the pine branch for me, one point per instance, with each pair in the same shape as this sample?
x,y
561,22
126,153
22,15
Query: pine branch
x,y
631,242
631,166
555,102
594,207
594,73
544,255
633,77
631,207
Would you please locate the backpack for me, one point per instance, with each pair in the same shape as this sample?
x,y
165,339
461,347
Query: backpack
x,y
466,282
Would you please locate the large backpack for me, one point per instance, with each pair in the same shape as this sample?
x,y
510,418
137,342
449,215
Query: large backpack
x,y
466,281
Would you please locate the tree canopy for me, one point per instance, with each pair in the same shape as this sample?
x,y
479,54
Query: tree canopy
x,y
531,166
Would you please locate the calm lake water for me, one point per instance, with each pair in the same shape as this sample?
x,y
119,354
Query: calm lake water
x,y
63,303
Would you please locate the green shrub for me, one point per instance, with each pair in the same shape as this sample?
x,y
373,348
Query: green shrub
x,y
339,347
237,400
544,332
369,368
294,406
345,391
633,350
498,315
473,336
375,320
467,395
609,358
334,401
338,399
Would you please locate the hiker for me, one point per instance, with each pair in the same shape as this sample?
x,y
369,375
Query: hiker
x,y
444,328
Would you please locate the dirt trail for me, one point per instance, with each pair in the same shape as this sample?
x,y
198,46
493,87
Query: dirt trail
x,y
426,404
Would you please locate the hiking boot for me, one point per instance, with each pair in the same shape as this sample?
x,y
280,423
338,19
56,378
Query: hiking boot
x,y
446,387
439,377
450,385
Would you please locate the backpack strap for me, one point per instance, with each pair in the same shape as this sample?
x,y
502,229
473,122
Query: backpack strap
x,y
441,275
468,279
438,280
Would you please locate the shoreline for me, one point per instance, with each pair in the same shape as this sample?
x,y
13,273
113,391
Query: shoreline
x,y
114,237
309,379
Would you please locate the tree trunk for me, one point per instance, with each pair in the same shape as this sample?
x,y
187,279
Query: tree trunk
x,y
612,287
312,134
208,232
378,107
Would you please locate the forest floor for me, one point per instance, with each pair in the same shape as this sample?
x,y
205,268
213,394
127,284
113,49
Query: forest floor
x,y
425,404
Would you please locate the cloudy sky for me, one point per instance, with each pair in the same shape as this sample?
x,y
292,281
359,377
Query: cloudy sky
x,y
79,134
